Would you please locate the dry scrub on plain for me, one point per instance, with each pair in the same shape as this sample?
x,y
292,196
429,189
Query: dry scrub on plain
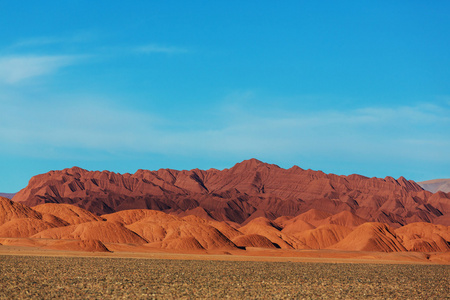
x,y
108,278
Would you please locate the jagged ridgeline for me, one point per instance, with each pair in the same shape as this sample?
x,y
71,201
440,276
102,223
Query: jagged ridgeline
x,y
240,194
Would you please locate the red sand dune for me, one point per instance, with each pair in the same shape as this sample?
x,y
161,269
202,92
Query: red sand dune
x,y
313,216
10,210
68,213
253,240
323,236
294,225
182,243
24,227
345,218
249,190
425,237
128,217
198,211
106,232
77,245
92,245
54,220
371,237
270,230
225,228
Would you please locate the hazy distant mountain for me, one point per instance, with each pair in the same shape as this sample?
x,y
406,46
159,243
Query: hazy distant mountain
x,y
7,195
436,185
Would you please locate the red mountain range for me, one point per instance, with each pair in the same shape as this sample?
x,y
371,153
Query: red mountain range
x,y
249,190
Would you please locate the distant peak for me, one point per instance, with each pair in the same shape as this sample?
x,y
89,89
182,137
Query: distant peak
x,y
76,169
252,161
249,164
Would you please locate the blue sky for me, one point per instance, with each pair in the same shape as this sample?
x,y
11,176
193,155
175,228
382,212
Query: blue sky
x,y
340,86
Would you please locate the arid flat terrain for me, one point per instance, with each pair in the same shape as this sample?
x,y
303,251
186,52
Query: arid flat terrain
x,y
113,278
255,254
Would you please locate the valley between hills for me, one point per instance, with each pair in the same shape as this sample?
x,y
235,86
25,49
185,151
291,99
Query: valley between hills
x,y
252,210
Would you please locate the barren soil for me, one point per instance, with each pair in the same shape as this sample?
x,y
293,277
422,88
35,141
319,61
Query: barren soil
x,y
112,278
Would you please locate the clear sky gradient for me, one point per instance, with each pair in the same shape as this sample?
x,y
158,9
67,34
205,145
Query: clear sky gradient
x,y
339,86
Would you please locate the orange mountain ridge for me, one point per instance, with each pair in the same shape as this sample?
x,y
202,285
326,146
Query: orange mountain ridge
x,y
67,227
248,191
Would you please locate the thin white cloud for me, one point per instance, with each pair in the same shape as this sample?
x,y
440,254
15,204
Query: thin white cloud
x,y
14,69
85,123
415,133
154,48
52,40
39,41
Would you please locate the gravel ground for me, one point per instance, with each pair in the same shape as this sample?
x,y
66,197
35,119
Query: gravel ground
x,y
121,278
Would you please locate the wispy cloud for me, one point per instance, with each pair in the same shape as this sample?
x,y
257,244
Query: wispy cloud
x,y
39,41
154,48
14,69
416,133
17,66
82,123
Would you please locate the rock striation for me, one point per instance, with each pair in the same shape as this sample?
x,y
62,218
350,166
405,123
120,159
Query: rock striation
x,y
249,190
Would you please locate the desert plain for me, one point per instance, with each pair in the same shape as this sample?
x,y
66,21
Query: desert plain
x,y
33,273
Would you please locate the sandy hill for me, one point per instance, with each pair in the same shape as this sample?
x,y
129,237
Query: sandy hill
x,y
23,227
69,213
266,228
247,191
323,236
425,237
68,227
371,237
436,185
106,232
253,240
10,210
